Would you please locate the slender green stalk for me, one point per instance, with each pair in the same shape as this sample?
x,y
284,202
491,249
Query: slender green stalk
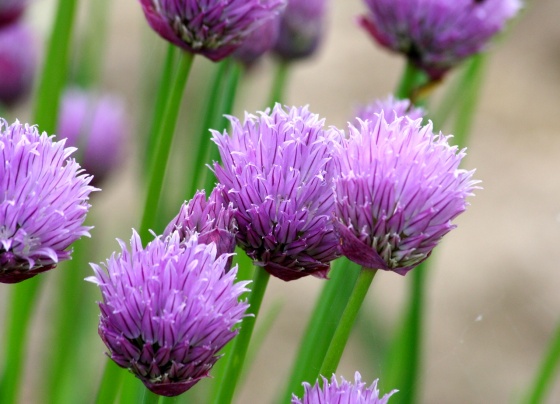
x,y
277,93
110,383
150,398
546,373
403,369
162,96
409,81
470,85
234,365
322,325
55,67
70,304
202,143
22,299
163,145
342,333
226,108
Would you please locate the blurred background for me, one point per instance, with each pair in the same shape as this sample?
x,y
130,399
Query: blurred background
x,y
493,300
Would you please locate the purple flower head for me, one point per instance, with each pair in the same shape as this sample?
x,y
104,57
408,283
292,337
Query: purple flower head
x,y
11,10
437,34
399,187
17,63
393,108
43,202
343,393
97,126
213,28
258,42
301,29
211,221
277,170
167,310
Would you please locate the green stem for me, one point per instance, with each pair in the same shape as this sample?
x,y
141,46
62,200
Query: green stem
x,y
164,140
471,84
160,102
23,296
55,67
342,333
226,108
110,383
277,93
89,68
409,81
322,325
150,398
234,365
547,371
202,142
22,299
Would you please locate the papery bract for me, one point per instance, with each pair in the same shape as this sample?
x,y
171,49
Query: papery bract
x,y
343,393
43,202
167,310
213,28
277,171
398,189
437,34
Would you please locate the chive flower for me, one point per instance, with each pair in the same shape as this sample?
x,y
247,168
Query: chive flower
x,y
277,171
258,42
212,28
167,310
436,35
398,188
98,126
18,62
393,108
43,202
211,220
11,10
301,29
343,393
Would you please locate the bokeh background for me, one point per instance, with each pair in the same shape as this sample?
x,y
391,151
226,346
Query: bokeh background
x,y
493,299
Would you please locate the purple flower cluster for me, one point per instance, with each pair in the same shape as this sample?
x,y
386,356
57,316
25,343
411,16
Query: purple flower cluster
x,y
277,171
301,29
212,221
343,393
391,107
43,202
213,28
437,34
258,42
17,63
398,187
168,309
97,126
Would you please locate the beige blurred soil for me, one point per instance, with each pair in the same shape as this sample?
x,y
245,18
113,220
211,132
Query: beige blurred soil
x,y
494,298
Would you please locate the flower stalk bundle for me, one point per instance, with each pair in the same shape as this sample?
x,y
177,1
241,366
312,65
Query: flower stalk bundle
x,y
280,194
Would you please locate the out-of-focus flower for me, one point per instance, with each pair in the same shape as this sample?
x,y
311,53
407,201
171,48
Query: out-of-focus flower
x,y
97,126
399,186
301,29
43,202
277,171
258,42
213,28
211,221
437,34
345,392
11,10
17,63
393,108
167,310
